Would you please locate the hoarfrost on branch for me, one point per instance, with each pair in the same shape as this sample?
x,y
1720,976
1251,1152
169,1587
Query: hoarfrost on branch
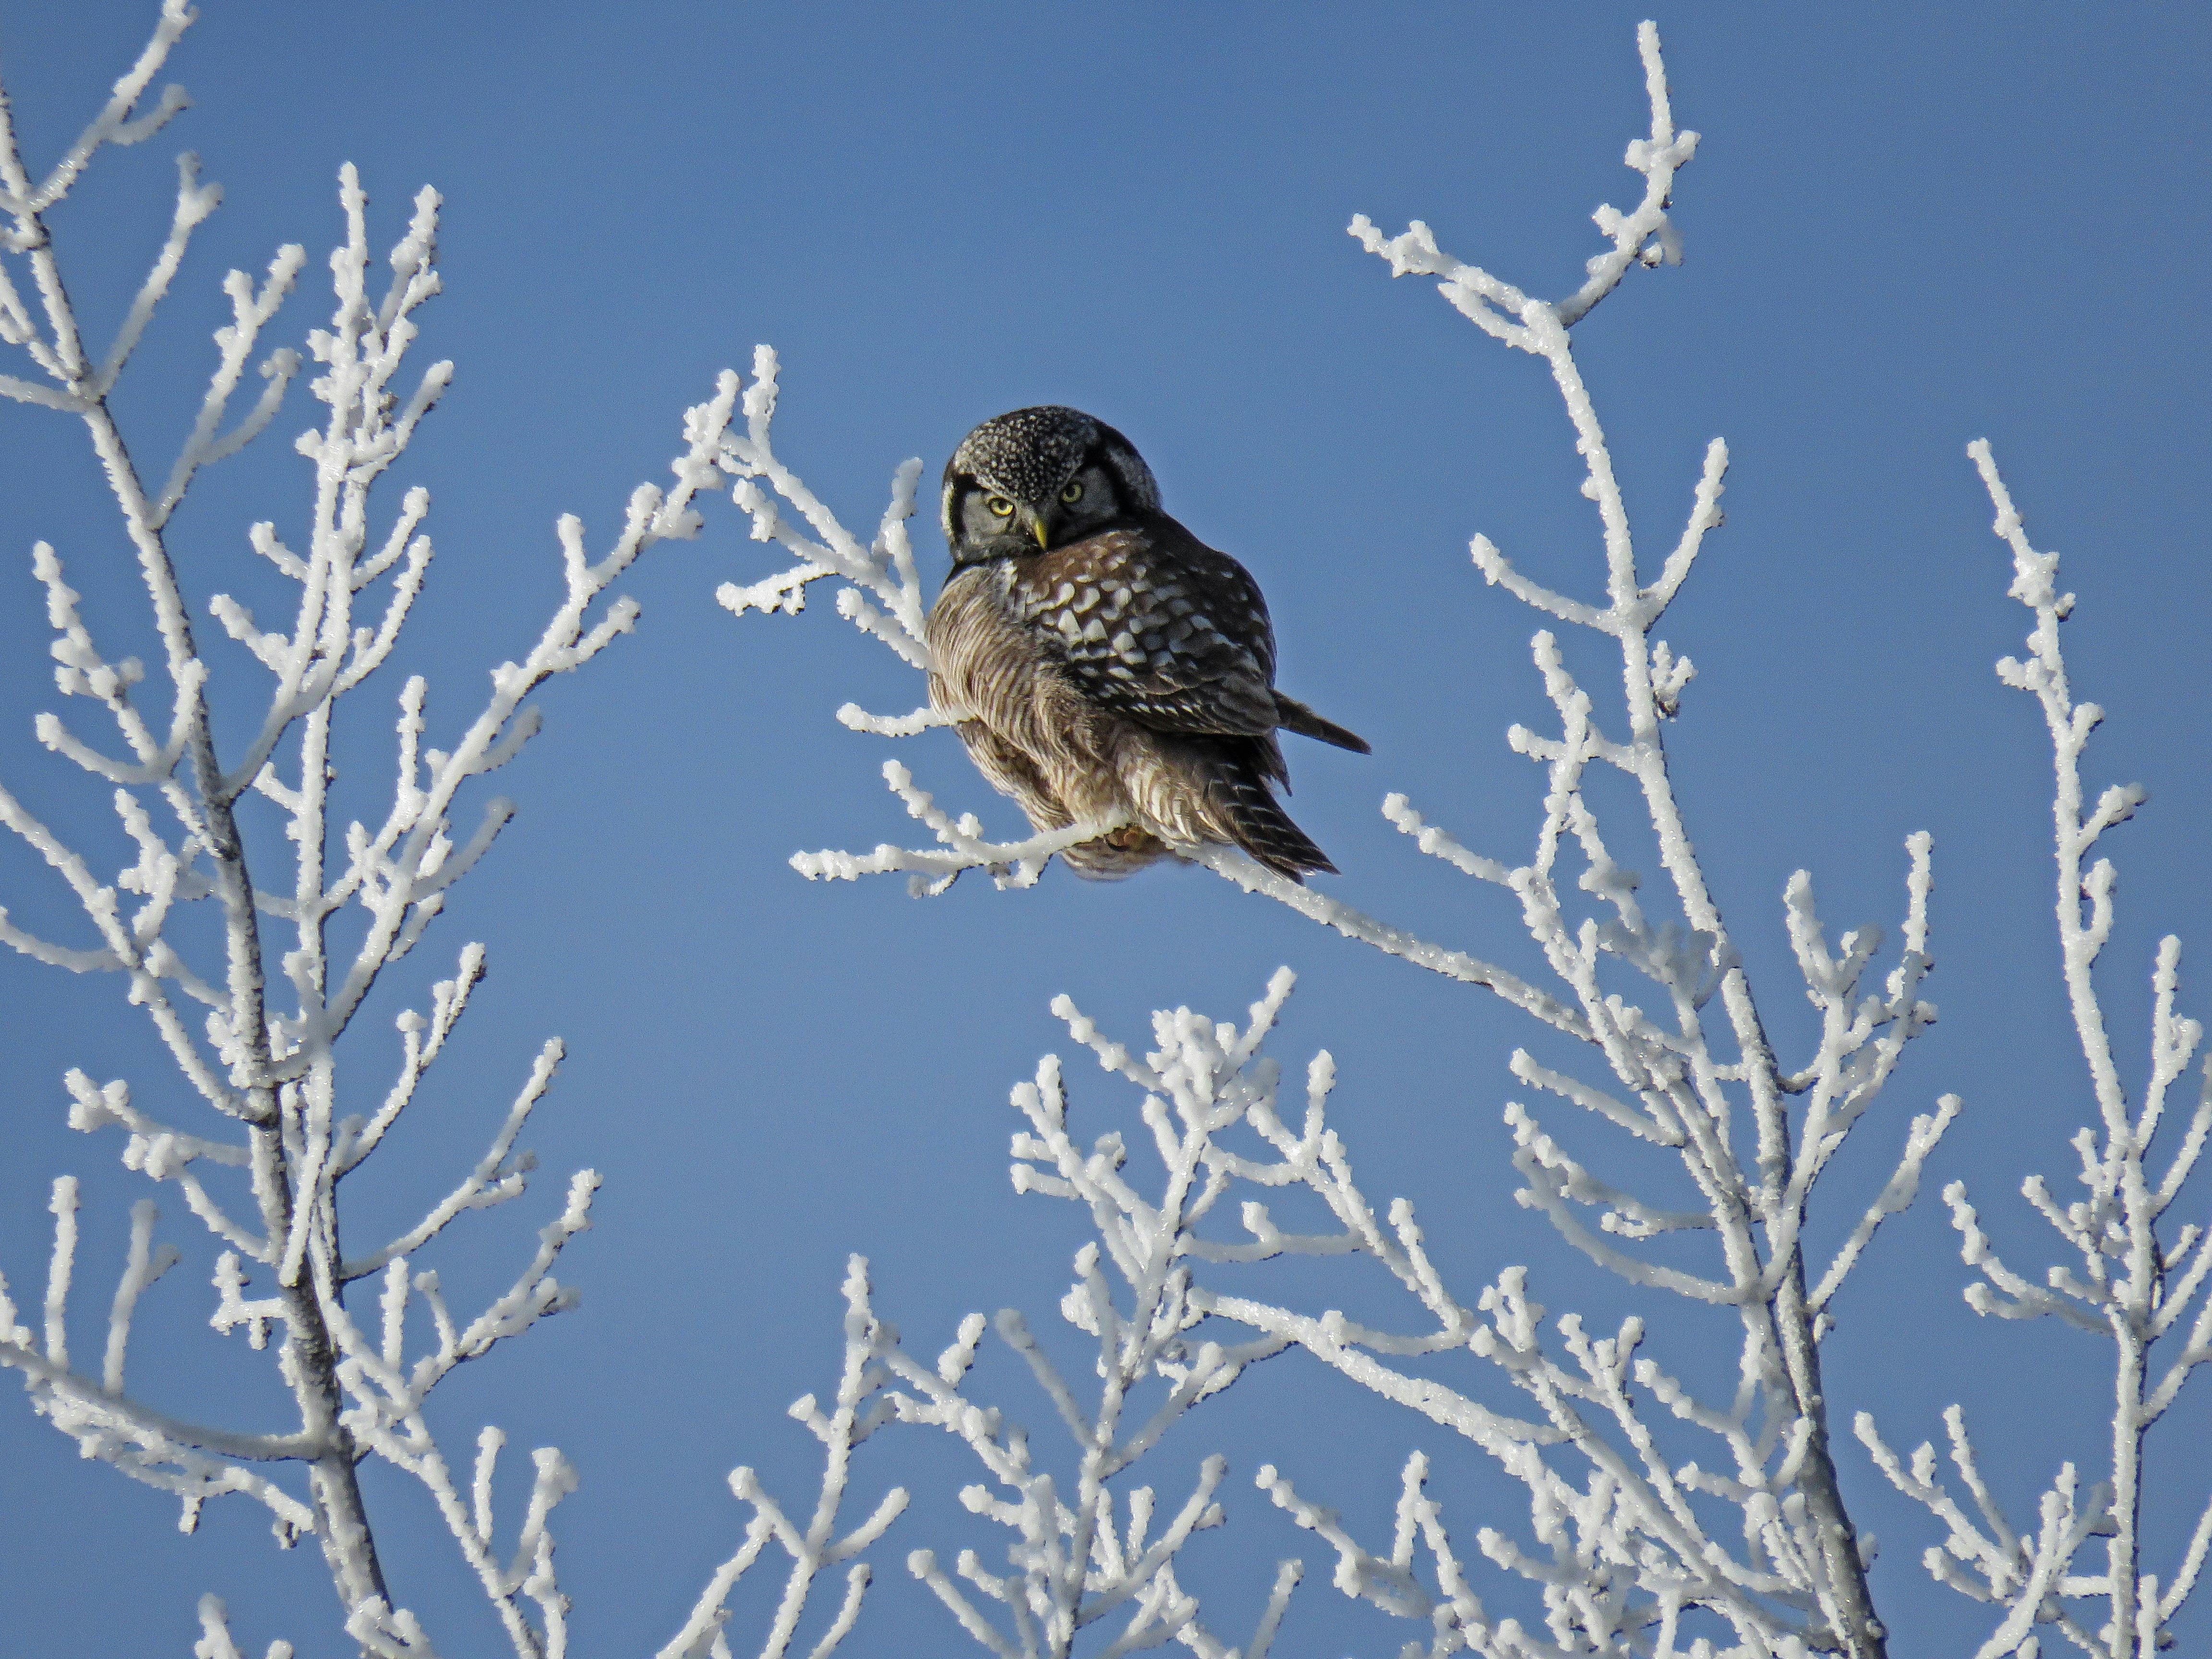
x,y
262,1168
2141,1282
1744,1548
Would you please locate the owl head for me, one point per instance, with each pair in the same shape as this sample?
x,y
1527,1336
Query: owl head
x,y
1037,478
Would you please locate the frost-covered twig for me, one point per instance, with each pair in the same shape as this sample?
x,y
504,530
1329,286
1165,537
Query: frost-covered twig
x,y
882,573
216,1641
858,1410
263,1171
2139,1281
1014,864
1077,1558
1638,1542
1091,1548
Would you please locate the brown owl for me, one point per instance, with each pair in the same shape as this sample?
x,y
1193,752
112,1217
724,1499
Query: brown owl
x,y
1103,662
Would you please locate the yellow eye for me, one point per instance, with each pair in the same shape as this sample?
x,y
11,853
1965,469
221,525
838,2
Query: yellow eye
x,y
1073,493
1001,506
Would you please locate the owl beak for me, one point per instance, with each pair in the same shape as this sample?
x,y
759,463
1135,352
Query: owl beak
x,y
1037,525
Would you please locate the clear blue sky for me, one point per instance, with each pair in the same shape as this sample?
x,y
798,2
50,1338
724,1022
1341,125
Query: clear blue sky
x,y
1908,227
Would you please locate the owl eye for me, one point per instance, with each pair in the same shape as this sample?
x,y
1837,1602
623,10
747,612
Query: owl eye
x,y
1001,506
1073,493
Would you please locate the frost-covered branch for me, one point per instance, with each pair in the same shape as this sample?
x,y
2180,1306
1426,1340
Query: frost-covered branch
x,y
1013,864
2136,1279
1096,1552
260,1165
880,573
1638,1542
859,1408
1091,1548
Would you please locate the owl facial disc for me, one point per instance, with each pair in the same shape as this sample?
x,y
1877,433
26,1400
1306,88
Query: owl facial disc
x,y
1028,456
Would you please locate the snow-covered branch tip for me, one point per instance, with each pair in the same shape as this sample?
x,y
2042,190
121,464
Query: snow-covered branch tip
x,y
2136,1281
858,1410
1645,235
216,1640
1096,1550
881,574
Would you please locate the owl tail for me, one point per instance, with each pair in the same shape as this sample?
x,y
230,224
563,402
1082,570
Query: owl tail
x,y
1262,828
1292,716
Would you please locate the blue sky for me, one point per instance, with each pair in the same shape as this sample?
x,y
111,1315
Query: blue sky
x,y
1906,227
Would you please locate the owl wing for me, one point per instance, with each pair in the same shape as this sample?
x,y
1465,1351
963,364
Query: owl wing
x,y
1154,625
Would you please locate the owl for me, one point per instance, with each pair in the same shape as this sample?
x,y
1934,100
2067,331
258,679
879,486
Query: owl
x,y
1102,662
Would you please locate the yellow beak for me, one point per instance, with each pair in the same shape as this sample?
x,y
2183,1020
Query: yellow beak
x,y
1037,525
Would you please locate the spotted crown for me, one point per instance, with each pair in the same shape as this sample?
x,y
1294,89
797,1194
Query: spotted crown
x,y
1028,453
